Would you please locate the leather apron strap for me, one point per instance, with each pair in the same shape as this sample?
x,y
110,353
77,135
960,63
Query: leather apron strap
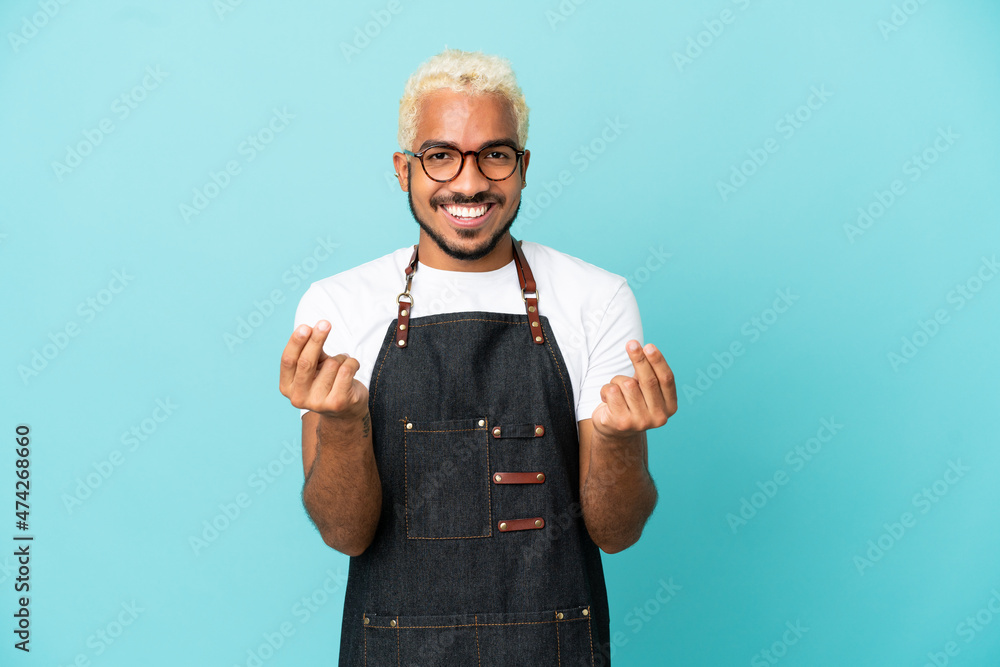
x,y
529,294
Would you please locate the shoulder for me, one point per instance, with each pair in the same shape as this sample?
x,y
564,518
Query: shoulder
x,y
562,268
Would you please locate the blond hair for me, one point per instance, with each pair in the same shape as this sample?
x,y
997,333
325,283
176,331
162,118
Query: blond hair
x,y
463,71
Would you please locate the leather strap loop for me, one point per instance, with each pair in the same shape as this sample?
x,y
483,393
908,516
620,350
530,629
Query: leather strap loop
x,y
527,281
518,477
403,314
533,523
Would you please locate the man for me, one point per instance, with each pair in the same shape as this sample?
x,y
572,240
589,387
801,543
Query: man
x,y
495,440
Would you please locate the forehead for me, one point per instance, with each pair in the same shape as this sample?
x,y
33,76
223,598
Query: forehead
x,y
464,119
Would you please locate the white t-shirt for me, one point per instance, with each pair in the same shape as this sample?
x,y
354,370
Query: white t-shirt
x,y
592,312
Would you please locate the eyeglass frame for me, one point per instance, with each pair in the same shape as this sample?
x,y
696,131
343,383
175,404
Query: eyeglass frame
x,y
420,156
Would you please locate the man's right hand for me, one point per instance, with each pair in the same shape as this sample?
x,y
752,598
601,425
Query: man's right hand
x,y
313,380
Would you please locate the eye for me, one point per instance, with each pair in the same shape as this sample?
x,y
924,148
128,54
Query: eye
x,y
438,156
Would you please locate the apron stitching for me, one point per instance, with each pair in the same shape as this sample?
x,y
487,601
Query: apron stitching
x,y
591,637
364,636
470,625
558,649
397,641
447,430
457,537
478,658
559,370
489,487
468,319
406,491
381,364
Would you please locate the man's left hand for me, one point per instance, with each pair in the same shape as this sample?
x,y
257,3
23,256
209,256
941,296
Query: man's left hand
x,y
631,405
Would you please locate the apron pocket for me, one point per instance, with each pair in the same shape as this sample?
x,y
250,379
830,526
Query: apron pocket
x,y
556,637
447,478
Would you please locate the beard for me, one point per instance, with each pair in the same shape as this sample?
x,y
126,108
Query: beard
x,y
457,253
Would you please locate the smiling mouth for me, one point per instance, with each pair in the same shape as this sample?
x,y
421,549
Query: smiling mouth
x,y
465,215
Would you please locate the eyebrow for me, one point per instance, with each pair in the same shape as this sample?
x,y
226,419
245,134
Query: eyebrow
x,y
433,143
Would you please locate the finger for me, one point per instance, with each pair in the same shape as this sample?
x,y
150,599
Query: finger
x,y
634,400
618,410
309,359
645,375
345,378
290,356
665,376
324,380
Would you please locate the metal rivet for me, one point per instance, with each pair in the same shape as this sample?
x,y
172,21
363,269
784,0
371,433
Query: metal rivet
x,y
496,431
538,523
482,422
534,324
503,525
539,430
585,612
540,477
367,620
402,327
401,342
531,309
403,312
409,424
559,615
538,338
497,478
392,623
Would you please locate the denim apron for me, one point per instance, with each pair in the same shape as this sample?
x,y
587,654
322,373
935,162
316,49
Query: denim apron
x,y
481,556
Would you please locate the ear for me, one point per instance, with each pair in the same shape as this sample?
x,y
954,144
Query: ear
x,y
402,167
524,168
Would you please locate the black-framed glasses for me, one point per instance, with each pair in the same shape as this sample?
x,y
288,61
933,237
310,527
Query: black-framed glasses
x,y
444,163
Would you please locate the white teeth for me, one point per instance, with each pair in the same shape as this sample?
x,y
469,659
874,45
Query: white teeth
x,y
466,212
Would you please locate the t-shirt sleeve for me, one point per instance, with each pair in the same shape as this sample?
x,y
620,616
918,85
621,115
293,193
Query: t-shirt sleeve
x,y
608,356
316,305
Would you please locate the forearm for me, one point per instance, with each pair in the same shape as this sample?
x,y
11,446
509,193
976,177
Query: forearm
x,y
618,495
342,492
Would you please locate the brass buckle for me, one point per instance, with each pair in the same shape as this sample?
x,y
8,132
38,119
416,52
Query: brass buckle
x,y
535,293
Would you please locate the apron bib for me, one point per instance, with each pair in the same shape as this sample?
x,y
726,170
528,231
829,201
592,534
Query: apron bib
x,y
481,556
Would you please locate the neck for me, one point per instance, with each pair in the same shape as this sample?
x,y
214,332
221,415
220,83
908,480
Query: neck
x,y
433,256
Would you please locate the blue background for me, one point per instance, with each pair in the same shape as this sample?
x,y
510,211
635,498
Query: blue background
x,y
895,77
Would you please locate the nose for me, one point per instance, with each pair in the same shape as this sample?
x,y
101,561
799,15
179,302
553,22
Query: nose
x,y
470,181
